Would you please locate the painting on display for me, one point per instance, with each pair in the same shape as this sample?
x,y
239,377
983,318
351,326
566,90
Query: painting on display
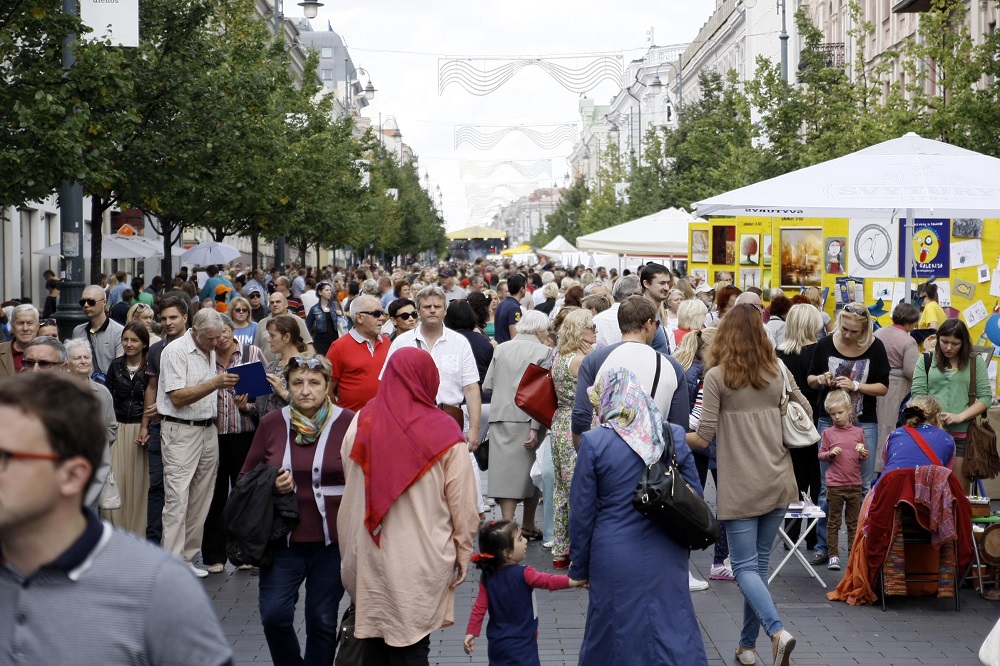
x,y
800,253
724,245
699,246
765,249
968,227
931,248
700,275
835,260
873,248
765,283
749,250
749,277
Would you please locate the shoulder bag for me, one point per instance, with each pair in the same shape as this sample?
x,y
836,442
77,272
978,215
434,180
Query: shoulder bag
x,y
797,428
536,393
110,499
349,647
665,498
981,458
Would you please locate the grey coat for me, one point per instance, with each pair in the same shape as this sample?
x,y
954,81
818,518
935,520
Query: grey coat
x,y
510,360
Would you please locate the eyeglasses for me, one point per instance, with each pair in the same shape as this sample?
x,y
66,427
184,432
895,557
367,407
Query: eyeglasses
x,y
31,363
301,362
89,302
241,310
593,328
407,315
373,313
6,456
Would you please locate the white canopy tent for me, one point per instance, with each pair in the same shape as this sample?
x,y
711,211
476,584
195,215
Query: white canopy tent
x,y
556,246
662,234
918,177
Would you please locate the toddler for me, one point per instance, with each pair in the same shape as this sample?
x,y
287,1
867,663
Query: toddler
x,y
506,589
843,447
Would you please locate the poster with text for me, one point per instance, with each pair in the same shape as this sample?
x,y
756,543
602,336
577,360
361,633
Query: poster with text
x,y
931,241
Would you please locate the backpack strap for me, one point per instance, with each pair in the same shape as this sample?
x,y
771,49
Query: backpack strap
x,y
973,360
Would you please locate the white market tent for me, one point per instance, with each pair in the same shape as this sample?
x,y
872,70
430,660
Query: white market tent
x,y
912,176
662,234
557,245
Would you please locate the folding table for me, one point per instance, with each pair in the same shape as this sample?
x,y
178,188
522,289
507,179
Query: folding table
x,y
810,516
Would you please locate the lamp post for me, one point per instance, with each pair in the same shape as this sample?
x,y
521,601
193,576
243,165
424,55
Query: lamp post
x,y
782,36
657,85
368,92
632,150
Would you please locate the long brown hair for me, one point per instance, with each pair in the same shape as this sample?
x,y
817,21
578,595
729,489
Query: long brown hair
x,y
742,349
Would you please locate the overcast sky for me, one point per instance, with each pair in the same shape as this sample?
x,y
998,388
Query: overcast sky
x,y
400,42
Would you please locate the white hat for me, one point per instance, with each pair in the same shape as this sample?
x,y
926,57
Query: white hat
x,y
704,288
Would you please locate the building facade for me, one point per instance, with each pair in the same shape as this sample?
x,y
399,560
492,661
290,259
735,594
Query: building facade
x,y
525,217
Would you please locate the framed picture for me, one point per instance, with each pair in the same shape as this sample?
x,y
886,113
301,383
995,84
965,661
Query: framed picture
x,y
699,275
967,227
801,257
765,248
835,257
749,277
699,246
765,283
749,250
724,245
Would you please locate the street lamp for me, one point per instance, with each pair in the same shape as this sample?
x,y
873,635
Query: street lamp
x,y
367,93
309,9
678,68
639,105
782,36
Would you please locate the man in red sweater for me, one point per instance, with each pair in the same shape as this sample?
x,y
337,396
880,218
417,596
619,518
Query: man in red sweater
x,y
357,358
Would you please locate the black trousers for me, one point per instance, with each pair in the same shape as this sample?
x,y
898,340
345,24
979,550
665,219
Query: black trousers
x,y
156,497
377,653
805,463
233,450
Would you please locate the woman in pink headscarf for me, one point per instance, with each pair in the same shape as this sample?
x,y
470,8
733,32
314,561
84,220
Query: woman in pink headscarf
x,y
408,517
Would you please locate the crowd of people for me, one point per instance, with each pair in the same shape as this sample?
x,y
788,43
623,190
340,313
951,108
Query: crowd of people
x,y
381,386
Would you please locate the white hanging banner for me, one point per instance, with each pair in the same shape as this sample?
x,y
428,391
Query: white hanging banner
x,y
117,20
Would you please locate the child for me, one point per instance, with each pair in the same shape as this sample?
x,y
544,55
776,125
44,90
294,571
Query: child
x,y
507,590
843,446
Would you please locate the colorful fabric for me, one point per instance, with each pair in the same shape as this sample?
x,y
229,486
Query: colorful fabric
x,y
308,429
401,433
563,453
621,403
931,489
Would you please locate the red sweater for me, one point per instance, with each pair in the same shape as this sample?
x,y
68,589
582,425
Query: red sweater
x,y
535,579
269,446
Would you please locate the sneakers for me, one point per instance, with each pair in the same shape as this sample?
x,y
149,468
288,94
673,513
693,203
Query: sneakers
x,y
834,564
216,568
547,545
695,585
782,644
818,558
721,572
200,573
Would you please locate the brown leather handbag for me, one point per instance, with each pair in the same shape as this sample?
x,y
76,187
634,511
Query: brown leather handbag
x,y
981,458
536,394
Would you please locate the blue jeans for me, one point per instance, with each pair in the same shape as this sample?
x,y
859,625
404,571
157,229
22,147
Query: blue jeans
x,y
548,484
867,476
319,567
750,543
156,497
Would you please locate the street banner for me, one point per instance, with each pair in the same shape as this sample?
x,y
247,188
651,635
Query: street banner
x,y
117,20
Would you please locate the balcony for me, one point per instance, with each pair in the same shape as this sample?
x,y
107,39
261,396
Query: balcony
x,y
910,6
834,52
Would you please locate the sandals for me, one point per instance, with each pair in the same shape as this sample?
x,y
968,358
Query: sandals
x,y
531,535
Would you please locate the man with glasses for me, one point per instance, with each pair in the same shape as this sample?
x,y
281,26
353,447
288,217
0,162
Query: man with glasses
x,y
187,402
103,333
279,306
24,325
357,358
258,308
256,283
68,574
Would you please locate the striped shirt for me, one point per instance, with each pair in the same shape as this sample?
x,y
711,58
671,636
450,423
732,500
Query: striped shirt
x,y
231,420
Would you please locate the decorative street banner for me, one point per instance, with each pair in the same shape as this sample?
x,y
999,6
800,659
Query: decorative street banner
x,y
117,20
931,248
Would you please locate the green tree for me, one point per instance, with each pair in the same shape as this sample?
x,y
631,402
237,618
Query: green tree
x,y
564,219
604,208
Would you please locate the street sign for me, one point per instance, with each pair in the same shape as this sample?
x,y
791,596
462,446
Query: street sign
x,y
117,20
126,230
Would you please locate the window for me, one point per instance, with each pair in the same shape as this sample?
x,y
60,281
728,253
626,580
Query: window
x,y
326,52
327,75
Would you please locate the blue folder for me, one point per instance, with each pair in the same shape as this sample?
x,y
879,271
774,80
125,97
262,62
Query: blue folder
x,y
253,380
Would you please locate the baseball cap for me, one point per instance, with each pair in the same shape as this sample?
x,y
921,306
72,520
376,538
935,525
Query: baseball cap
x,y
222,289
447,272
704,288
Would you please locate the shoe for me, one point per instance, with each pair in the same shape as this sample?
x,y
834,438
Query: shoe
x,y
530,534
819,558
547,545
216,568
695,585
721,572
782,644
560,562
244,567
746,656
834,564
200,573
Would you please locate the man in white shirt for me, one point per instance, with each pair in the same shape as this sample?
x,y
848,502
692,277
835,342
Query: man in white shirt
x,y
608,331
453,357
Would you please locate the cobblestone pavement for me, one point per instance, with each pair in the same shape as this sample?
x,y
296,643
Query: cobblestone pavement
x,y
911,631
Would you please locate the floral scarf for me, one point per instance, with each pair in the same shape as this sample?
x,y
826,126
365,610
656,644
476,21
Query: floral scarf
x,y
309,429
623,404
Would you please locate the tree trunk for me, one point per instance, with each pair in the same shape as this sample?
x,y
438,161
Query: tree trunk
x,y
254,248
303,249
97,208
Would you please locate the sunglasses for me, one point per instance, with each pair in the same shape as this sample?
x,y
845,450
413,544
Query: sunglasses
x,y
240,310
301,362
255,295
31,363
373,313
48,322
89,302
855,309
407,315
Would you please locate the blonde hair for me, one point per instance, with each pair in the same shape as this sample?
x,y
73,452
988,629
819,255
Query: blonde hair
x,y
691,315
138,310
694,344
860,313
246,303
572,329
838,398
684,285
814,295
802,324
929,405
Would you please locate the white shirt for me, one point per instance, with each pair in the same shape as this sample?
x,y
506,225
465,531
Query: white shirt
x,y
309,299
538,296
453,357
641,359
183,365
608,332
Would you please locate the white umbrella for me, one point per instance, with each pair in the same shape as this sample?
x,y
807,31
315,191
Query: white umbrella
x,y
921,177
112,247
209,254
157,246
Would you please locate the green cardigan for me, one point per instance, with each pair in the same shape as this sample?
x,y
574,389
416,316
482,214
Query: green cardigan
x,y
953,392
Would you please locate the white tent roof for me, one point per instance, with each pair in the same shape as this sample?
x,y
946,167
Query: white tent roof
x,y
661,234
558,245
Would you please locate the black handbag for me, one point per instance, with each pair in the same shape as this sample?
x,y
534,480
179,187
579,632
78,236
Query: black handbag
x,y
482,453
349,648
665,498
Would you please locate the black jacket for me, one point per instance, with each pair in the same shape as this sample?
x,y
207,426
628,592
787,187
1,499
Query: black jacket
x,y
255,516
128,393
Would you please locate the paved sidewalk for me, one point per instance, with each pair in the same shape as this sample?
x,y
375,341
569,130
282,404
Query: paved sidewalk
x,y
911,631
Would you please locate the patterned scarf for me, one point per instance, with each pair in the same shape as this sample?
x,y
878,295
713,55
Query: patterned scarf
x,y
309,429
621,403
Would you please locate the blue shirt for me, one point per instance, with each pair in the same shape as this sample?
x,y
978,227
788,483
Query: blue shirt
x,y
508,314
208,291
902,451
